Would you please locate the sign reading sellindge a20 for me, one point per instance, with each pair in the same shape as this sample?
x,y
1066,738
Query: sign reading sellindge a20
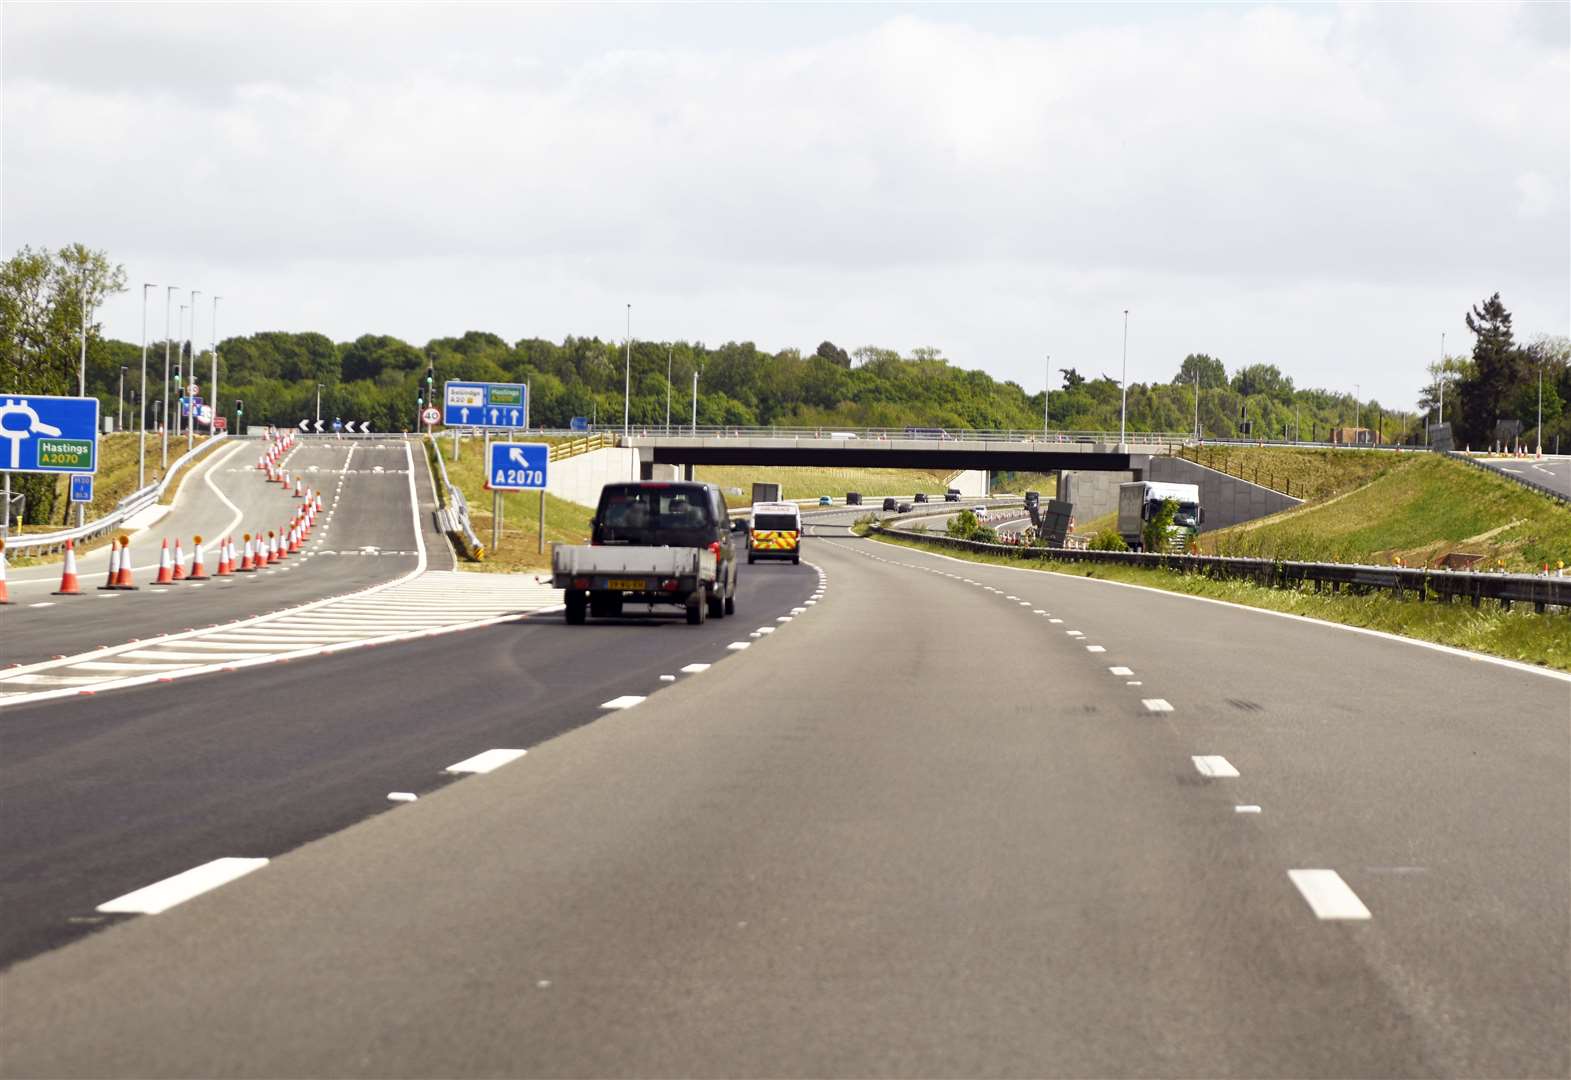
x,y
40,434
487,405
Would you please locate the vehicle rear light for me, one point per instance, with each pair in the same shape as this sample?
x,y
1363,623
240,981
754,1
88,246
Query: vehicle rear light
x,y
670,584
714,549
580,583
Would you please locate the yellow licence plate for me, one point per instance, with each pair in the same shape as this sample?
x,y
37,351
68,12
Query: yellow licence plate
x,y
633,584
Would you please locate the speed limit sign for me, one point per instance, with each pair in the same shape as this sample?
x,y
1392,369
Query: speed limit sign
x,y
430,416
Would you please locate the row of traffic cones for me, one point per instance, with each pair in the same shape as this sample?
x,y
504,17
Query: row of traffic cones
x,y
277,446
171,567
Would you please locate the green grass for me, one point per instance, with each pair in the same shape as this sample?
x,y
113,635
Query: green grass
x,y
1045,484
1307,474
565,522
1518,634
1419,510
806,483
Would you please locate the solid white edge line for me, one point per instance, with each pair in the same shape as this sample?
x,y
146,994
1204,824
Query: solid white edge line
x,y
486,761
1452,650
738,646
626,701
162,895
1327,895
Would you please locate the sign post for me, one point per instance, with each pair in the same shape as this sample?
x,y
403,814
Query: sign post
x,y
516,467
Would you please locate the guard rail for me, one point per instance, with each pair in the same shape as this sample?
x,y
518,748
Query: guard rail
x,y
1543,592
452,517
1542,489
132,504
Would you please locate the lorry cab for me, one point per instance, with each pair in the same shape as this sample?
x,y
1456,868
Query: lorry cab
x,y
774,531
1139,501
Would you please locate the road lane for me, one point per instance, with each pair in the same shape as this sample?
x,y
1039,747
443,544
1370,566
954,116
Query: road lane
x,y
107,794
921,830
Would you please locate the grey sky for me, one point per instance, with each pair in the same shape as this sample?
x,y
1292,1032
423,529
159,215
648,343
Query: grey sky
x,y
1324,188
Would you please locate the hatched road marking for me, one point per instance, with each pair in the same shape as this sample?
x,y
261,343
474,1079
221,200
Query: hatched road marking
x,y
1214,765
1156,704
1327,895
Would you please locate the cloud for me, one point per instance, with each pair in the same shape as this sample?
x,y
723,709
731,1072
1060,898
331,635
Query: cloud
x,y
930,161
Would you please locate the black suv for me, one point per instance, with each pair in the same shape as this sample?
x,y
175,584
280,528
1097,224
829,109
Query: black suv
x,y
920,496
890,503
952,495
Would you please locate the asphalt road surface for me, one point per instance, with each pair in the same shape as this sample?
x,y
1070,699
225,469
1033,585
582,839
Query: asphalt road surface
x,y
952,819
365,534
1553,471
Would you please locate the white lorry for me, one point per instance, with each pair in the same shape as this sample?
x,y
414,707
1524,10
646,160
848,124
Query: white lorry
x,y
651,543
1139,501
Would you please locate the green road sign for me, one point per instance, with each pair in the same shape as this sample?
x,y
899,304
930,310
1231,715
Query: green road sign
x,y
74,454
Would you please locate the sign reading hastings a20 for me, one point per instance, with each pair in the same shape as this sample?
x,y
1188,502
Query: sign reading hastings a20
x,y
485,405
42,434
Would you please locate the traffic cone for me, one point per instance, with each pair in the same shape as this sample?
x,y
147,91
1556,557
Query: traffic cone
x,y
283,481
223,559
166,570
123,579
272,546
248,557
261,551
198,571
261,461
228,565
68,583
114,568
179,561
5,595
299,491
319,500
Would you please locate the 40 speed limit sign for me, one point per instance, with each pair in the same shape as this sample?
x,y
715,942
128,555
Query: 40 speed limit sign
x,y
518,466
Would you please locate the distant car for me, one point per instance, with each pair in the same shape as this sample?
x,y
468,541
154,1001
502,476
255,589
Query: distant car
x,y
920,496
890,504
842,434
904,508
979,510
825,500
853,498
951,496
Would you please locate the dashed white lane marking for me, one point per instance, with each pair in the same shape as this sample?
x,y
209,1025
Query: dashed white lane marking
x,y
1120,671
402,796
1095,648
1025,603
1327,895
1214,765
1039,611
1134,682
486,762
782,618
1246,808
1074,633
1055,620
626,701
765,630
738,646
1011,598
165,894
798,610
43,603
668,678
1156,704
694,669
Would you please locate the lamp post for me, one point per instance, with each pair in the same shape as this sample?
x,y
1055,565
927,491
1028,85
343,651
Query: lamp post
x,y
141,427
627,376
1442,418
212,382
163,406
1047,390
670,352
81,376
1197,403
695,401
1540,434
190,402
319,404
120,402
1358,409
1123,397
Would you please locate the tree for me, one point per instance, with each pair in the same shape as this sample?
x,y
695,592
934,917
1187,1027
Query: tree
x,y
1497,370
1210,371
1072,378
1264,379
828,350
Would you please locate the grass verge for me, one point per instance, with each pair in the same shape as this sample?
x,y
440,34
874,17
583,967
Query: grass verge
x,y
565,522
1519,634
1310,474
736,481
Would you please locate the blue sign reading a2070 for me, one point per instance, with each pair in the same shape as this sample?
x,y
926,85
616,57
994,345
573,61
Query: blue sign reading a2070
x,y
41,434
518,466
485,405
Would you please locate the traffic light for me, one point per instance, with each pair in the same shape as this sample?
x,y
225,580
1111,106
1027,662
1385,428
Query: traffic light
x,y
239,406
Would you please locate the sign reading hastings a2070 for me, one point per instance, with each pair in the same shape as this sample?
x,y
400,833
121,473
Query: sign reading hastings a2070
x,y
42,434
485,405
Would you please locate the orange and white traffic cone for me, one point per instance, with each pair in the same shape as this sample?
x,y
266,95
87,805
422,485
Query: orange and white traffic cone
x,y
319,500
272,546
299,490
261,551
69,586
261,461
166,570
283,481
114,568
198,571
123,578
5,595
179,561
247,557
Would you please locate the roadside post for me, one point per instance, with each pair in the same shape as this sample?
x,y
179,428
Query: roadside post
x,y
516,467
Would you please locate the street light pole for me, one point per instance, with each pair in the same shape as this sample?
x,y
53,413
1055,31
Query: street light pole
x,y
190,397
1047,389
81,376
163,402
1358,409
1123,402
627,376
212,383
670,352
319,403
180,379
1442,378
1540,435
141,427
1197,403
120,402
695,401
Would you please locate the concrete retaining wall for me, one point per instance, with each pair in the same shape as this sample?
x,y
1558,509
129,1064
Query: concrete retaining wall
x,y
579,479
972,483
1227,499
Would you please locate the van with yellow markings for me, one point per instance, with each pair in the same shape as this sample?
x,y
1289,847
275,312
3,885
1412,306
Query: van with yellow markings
x,y
774,531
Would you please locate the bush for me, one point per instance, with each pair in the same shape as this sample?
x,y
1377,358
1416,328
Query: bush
x,y
1155,534
962,525
1108,540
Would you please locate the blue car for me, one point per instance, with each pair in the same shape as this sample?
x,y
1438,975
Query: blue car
x,y
825,500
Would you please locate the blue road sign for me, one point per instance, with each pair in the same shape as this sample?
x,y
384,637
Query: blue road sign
x,y
518,466
578,423
82,487
485,405
40,434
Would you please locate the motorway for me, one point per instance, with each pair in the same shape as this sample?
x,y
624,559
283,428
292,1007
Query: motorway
x,y
1553,471
920,817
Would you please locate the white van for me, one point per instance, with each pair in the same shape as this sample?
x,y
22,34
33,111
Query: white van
x,y
774,531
